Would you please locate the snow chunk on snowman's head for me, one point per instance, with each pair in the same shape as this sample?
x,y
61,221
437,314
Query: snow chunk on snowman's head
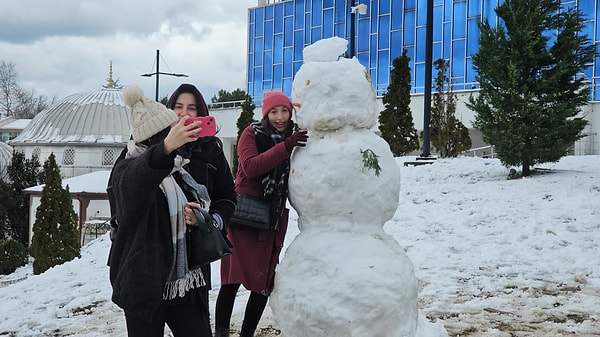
x,y
327,50
330,92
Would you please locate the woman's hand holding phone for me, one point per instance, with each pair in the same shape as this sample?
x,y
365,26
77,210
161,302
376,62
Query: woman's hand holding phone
x,y
208,125
178,135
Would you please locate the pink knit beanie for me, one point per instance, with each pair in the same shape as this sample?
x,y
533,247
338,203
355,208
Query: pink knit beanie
x,y
273,99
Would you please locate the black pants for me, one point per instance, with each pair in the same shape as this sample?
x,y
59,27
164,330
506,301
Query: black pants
x,y
224,308
185,320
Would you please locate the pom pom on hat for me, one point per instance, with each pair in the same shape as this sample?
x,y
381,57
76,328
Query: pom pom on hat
x,y
273,99
147,116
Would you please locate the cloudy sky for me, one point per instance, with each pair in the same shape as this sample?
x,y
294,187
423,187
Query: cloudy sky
x,y
61,47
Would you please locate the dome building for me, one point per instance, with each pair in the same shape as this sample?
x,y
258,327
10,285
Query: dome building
x,y
6,154
85,131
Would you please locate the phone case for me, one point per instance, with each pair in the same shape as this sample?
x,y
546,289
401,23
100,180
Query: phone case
x,y
208,126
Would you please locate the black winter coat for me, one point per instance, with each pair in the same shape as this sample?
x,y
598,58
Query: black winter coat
x,y
209,167
140,257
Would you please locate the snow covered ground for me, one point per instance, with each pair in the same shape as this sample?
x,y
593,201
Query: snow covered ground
x,y
494,257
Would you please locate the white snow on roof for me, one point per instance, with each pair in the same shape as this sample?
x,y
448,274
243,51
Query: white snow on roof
x,y
88,117
6,154
16,124
94,182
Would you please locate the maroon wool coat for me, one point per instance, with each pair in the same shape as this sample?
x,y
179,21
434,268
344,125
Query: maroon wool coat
x,y
255,252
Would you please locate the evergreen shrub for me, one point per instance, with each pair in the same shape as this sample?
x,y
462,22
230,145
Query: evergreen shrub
x,y
13,255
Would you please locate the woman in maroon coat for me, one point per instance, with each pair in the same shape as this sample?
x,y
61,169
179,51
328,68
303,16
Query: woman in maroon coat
x,y
264,150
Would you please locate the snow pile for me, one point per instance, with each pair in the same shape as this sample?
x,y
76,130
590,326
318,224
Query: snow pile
x,y
493,257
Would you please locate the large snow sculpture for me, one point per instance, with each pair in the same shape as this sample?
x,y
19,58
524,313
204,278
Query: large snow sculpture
x,y
342,275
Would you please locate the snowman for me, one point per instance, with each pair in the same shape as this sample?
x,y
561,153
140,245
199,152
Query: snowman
x,y
342,275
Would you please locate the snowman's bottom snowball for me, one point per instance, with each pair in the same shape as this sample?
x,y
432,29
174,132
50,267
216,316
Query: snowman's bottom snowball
x,y
345,284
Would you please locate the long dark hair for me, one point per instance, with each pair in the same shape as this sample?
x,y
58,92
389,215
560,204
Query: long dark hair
x,y
187,88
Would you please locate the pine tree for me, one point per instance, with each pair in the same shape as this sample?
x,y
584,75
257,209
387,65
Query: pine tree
x,y
448,134
165,100
7,208
14,209
13,254
56,238
226,96
245,119
395,121
529,70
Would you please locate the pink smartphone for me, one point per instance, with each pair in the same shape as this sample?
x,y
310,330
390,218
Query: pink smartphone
x,y
208,126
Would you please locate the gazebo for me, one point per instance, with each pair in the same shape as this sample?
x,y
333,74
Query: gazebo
x,y
88,194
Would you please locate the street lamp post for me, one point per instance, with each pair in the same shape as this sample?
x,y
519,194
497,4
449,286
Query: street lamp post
x,y
427,96
361,9
157,72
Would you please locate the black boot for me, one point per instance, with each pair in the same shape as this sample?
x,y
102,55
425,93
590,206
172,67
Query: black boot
x,y
247,332
221,332
254,310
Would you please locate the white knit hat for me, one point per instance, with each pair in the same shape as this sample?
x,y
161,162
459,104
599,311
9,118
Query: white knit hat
x,y
147,117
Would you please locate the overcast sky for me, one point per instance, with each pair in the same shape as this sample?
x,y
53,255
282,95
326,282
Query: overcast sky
x,y
61,47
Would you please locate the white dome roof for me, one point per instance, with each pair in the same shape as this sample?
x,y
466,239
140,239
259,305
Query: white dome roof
x,y
89,117
6,154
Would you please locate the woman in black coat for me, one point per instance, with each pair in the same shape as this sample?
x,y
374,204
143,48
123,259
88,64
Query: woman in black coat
x,y
208,164
151,280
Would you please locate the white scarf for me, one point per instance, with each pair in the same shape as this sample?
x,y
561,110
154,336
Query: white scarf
x,y
180,278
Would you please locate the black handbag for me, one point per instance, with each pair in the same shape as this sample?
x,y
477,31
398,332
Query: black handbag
x,y
252,212
205,242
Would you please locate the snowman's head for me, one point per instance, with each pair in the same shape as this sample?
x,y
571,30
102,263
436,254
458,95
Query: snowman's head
x,y
330,92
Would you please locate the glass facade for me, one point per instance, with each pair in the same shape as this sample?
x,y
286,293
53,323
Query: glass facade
x,y
278,32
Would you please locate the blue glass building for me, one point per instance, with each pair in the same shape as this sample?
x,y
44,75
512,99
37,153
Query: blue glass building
x,y
278,32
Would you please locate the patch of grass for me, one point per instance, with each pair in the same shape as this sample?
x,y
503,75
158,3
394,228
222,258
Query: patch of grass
x,y
87,310
578,318
269,331
466,332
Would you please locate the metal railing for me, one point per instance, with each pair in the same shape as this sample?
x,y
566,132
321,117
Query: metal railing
x,y
484,151
93,228
225,105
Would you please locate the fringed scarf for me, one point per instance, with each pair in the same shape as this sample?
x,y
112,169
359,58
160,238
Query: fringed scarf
x,y
275,182
180,278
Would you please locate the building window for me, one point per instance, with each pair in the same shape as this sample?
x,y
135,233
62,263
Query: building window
x,y
68,156
108,157
277,38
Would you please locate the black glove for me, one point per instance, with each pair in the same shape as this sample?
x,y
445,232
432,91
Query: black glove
x,y
297,139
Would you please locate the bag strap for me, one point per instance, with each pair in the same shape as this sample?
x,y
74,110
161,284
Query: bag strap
x,y
201,217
